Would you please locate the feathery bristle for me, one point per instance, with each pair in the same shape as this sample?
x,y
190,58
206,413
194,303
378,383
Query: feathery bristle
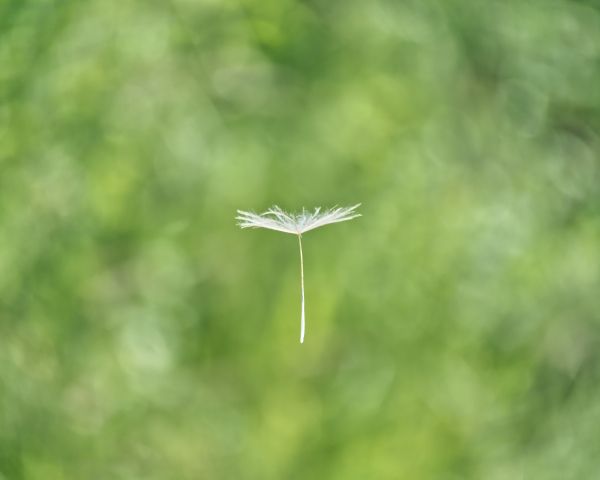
x,y
276,219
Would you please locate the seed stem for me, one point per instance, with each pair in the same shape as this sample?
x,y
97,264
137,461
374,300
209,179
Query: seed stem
x,y
302,320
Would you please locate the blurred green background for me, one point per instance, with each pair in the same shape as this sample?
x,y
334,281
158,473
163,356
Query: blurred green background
x,y
453,331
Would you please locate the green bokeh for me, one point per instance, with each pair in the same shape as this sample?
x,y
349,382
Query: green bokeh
x,y
453,331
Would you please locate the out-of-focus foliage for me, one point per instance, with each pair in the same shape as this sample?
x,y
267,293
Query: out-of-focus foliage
x,y
453,330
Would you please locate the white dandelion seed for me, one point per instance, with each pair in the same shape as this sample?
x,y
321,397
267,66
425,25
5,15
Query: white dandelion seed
x,y
296,224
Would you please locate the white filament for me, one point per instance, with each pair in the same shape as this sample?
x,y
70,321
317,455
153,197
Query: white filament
x,y
302,319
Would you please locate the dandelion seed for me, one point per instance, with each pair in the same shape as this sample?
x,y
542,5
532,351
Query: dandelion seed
x,y
296,224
